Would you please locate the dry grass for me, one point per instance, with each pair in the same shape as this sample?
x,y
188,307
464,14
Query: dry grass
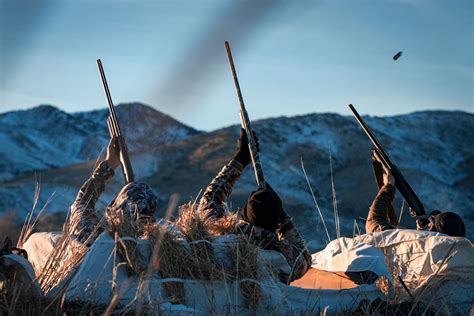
x,y
171,259
63,260
245,270
315,200
32,218
129,228
196,261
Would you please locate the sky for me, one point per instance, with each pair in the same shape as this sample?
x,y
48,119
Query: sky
x,y
292,57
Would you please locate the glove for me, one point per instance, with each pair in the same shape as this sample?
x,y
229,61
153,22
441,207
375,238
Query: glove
x,y
242,152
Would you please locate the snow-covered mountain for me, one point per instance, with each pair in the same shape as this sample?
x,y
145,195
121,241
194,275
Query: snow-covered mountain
x,y
45,137
434,150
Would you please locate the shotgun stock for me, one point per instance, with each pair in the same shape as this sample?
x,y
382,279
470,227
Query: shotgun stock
x,y
115,131
400,183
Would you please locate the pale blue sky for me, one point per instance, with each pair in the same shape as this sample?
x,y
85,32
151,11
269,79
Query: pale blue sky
x,y
292,57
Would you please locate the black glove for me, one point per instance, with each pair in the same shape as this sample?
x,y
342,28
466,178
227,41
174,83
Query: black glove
x,y
242,152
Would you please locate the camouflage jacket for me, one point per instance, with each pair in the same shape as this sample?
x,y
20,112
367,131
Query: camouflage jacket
x,y
84,221
285,240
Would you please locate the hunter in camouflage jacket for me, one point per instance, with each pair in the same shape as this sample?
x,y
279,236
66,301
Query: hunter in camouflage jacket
x,y
285,239
84,219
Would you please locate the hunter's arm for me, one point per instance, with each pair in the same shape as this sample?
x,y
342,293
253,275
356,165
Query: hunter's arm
x,y
379,216
214,198
298,256
84,219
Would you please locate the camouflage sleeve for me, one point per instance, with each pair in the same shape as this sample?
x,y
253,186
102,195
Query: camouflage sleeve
x,y
378,218
296,254
215,197
286,241
83,215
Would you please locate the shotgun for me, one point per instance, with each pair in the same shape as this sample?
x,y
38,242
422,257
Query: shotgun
x,y
115,130
400,183
245,122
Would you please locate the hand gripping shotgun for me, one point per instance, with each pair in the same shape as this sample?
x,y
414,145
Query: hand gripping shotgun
x,y
115,131
245,121
400,183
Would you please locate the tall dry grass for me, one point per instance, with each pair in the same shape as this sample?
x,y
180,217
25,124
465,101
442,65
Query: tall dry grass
x,y
315,201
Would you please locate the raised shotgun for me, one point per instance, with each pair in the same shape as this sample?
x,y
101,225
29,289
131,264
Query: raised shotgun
x,y
400,183
245,122
115,131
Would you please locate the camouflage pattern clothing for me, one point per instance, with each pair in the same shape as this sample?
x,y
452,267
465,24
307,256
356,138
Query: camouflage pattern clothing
x,y
381,213
134,200
285,240
84,218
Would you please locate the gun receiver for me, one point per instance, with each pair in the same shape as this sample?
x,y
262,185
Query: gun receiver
x,y
245,122
114,129
400,183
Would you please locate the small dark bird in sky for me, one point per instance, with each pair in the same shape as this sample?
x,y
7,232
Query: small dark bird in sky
x,y
398,55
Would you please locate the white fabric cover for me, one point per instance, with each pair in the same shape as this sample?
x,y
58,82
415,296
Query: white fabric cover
x,y
435,267
93,283
413,255
40,246
93,280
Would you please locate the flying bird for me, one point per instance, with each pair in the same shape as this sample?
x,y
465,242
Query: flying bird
x,y
398,55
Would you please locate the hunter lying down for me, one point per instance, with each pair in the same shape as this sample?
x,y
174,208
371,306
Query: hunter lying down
x,y
262,220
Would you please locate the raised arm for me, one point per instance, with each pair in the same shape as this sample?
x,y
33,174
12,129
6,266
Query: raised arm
x,y
381,213
84,219
215,196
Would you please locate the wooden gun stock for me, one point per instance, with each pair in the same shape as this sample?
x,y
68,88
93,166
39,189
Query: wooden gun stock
x,y
115,131
400,183
245,122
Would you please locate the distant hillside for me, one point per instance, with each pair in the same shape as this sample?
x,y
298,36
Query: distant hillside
x,y
435,150
45,137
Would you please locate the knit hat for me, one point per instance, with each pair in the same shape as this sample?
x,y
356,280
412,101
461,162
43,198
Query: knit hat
x,y
263,209
448,223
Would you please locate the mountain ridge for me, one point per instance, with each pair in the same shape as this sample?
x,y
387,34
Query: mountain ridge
x,y
45,136
421,144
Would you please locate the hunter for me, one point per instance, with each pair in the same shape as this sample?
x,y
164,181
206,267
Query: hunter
x,y
382,215
262,220
134,199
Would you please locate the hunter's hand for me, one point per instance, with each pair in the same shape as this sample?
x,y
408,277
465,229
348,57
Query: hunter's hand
x,y
242,152
113,155
388,178
374,156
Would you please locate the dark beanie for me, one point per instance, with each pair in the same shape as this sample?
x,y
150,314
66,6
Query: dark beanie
x,y
263,209
450,223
